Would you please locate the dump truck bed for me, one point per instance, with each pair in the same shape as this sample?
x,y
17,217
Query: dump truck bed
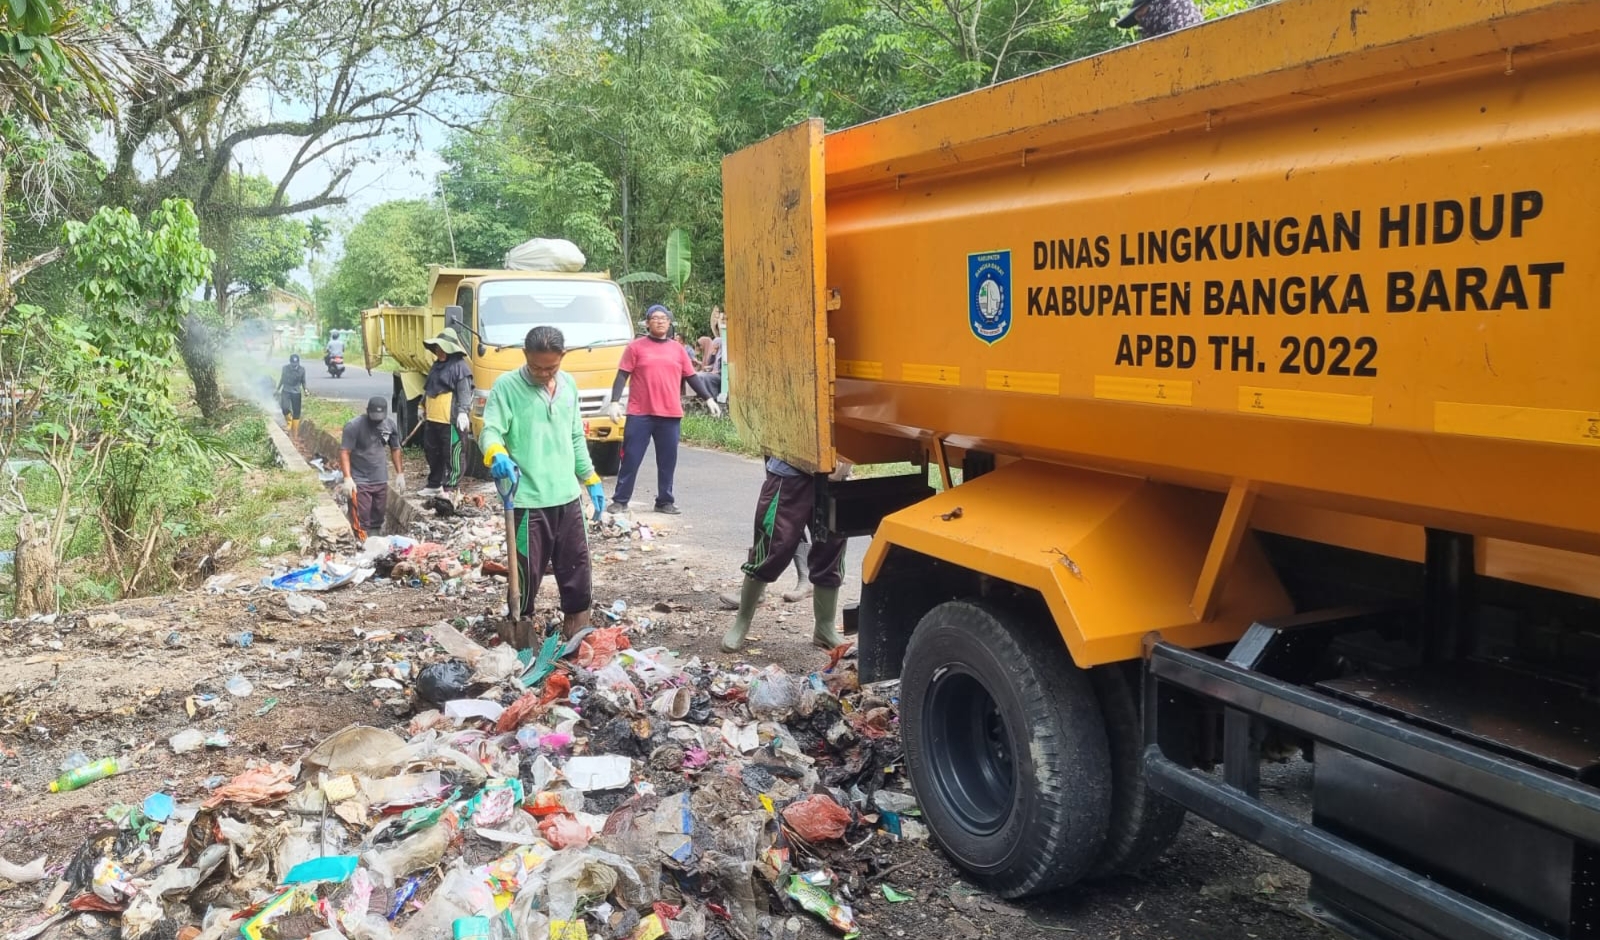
x,y
1269,250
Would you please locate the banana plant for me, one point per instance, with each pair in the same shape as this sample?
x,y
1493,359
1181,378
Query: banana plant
x,y
678,267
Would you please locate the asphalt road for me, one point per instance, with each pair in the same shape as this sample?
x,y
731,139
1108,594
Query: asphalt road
x,y
717,492
355,386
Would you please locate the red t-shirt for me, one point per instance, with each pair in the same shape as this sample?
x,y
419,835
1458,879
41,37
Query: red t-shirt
x,y
656,370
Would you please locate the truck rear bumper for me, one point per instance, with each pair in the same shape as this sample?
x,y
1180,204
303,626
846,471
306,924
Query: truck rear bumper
x,y
1481,810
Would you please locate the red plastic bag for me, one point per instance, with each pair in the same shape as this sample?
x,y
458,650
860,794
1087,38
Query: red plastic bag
x,y
600,647
817,818
557,687
512,718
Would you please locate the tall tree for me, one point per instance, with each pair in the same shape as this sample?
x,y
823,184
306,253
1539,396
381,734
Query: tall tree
x,y
627,87
330,83
385,260
253,253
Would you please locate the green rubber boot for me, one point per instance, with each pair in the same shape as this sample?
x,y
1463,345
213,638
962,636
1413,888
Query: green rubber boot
x,y
749,598
825,605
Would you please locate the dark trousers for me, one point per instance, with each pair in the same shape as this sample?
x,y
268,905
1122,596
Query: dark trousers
x,y
636,437
291,404
441,444
372,501
555,535
783,511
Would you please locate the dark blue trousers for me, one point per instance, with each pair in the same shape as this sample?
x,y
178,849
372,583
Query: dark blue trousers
x,y
636,437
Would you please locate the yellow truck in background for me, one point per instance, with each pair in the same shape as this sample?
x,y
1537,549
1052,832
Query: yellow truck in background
x,y
491,312
1268,355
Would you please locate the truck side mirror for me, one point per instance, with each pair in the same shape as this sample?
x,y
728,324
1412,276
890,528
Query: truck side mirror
x,y
453,316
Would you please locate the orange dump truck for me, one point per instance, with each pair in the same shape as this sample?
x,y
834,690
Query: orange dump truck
x,y
1261,366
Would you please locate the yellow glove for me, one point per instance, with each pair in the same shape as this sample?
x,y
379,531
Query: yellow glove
x,y
488,455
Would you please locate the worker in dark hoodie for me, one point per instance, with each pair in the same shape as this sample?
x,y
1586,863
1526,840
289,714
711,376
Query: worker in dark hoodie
x,y
446,404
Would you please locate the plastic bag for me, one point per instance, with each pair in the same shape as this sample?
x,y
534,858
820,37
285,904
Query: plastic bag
x,y
545,254
562,830
442,682
422,850
614,677
496,665
815,891
774,695
817,818
359,749
600,647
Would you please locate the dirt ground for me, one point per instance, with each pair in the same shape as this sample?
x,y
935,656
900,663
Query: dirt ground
x,y
110,685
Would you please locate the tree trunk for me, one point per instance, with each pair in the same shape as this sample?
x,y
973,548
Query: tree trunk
x,y
35,570
198,346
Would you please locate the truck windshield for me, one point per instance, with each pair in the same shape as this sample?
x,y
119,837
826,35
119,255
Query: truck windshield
x,y
586,312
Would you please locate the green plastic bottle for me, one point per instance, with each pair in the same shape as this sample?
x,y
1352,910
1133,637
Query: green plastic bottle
x,y
89,773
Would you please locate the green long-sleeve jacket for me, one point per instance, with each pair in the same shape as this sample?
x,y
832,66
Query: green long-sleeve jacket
x,y
542,434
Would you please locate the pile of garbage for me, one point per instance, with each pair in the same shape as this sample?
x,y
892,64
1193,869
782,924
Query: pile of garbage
x,y
580,790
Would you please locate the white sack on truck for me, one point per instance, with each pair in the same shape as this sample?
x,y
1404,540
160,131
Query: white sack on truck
x,y
545,254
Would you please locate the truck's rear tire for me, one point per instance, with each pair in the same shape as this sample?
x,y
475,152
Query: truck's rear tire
x,y
1142,823
1006,747
607,457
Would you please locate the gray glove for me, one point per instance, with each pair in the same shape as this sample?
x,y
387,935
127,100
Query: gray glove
x,y
348,486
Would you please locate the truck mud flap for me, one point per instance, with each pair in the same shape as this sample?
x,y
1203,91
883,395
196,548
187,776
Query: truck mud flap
x,y
1369,894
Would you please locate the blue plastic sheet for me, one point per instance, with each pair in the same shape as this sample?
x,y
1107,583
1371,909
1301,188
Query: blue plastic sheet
x,y
315,577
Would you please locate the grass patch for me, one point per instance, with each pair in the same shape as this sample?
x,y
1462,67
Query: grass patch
x,y
203,506
702,430
869,470
329,415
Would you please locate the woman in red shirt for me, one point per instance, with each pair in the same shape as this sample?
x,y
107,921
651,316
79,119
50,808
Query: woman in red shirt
x,y
657,366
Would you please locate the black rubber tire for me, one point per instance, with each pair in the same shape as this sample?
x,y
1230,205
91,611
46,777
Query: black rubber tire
x,y
1142,823
607,457
979,691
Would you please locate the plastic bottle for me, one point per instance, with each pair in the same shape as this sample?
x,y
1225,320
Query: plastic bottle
x,y
89,773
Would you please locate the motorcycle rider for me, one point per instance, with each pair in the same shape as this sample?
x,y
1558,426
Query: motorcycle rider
x,y
335,348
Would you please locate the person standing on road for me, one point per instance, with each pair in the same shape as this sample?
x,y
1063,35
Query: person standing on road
x,y
447,399
783,511
291,393
657,367
365,464
533,424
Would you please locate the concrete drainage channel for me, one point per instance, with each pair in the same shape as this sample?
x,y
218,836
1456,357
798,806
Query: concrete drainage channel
x,y
328,521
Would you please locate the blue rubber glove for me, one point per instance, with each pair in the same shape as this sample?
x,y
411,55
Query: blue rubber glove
x,y
598,494
501,467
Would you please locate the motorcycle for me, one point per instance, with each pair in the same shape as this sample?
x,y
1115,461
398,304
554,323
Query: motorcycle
x,y
335,365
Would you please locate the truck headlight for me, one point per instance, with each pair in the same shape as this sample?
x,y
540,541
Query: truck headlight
x,y
480,399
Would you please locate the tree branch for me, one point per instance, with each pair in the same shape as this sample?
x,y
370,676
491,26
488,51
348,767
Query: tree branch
x,y
17,272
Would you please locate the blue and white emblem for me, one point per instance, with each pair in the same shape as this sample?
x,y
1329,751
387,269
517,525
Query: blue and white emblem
x,y
989,295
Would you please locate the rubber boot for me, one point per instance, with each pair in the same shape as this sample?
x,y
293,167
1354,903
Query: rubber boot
x,y
825,606
749,599
802,587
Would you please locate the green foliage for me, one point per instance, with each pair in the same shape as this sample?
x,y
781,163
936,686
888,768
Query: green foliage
x,y
702,430
385,261
678,266
255,253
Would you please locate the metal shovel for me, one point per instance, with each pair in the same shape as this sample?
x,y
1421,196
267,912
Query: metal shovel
x,y
512,631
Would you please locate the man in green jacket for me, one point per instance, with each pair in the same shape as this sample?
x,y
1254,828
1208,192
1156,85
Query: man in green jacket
x,y
532,423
